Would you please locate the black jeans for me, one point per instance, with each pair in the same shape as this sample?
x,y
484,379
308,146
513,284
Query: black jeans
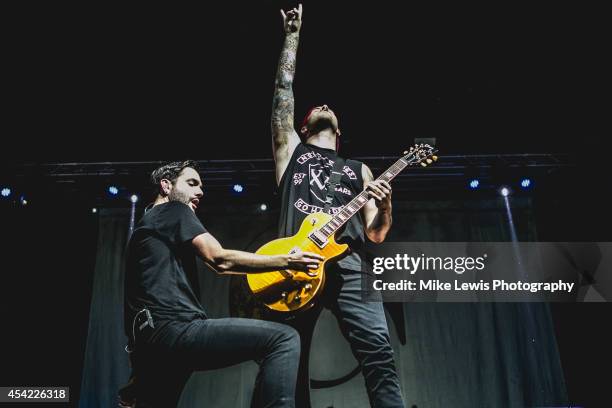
x,y
364,326
164,358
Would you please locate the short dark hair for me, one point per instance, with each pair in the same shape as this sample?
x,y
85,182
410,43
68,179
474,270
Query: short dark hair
x,y
170,171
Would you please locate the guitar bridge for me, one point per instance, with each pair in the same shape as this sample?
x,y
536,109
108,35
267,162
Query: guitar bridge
x,y
318,238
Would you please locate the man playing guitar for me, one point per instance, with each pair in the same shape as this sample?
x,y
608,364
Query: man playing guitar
x,y
303,171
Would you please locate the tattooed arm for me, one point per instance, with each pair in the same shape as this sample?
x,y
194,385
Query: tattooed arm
x,y
284,136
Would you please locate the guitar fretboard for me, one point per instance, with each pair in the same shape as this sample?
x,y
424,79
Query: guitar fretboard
x,y
341,217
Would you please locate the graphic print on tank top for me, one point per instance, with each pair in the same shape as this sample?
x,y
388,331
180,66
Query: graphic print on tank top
x,y
304,188
318,172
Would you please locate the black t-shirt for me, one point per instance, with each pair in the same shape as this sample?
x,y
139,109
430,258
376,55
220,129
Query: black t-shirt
x,y
303,189
161,272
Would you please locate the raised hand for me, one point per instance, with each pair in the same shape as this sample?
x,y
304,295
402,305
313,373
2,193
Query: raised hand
x,y
292,20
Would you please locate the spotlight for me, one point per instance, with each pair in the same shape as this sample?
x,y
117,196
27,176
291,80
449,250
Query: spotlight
x,y
504,191
134,198
263,207
94,210
113,190
23,200
474,184
238,188
526,183
6,191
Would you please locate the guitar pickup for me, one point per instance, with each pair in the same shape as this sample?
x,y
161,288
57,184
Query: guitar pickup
x,y
318,238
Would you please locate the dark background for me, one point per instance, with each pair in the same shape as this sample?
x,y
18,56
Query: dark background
x,y
153,83
112,84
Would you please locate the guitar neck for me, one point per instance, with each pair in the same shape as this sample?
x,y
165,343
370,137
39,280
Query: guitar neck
x,y
341,217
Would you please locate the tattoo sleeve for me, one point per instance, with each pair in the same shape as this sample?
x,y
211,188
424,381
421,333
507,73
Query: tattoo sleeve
x,y
283,103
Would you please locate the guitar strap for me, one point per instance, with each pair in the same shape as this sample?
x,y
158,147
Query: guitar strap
x,y
334,180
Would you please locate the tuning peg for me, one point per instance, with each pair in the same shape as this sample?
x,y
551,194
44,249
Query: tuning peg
x,y
405,152
429,161
423,164
434,158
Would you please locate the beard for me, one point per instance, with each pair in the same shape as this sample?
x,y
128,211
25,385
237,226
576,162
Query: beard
x,y
180,196
322,122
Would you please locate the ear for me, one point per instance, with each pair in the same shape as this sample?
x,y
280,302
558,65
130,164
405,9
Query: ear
x,y
165,187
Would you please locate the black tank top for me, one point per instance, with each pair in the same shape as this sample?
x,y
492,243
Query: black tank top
x,y
303,189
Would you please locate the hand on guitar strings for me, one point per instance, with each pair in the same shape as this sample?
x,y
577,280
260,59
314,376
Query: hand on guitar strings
x,y
380,191
304,261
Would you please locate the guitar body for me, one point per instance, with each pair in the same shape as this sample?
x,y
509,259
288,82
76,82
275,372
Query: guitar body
x,y
277,289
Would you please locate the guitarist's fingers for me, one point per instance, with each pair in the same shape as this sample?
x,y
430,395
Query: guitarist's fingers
x,y
374,195
384,189
374,189
306,264
381,189
314,256
386,184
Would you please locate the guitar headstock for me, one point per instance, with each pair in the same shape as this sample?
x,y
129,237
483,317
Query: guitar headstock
x,y
422,154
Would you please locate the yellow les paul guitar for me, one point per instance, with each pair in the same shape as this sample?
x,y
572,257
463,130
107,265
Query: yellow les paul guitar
x,y
289,290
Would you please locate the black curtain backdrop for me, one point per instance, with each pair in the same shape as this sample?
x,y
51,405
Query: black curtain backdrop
x,y
106,364
453,354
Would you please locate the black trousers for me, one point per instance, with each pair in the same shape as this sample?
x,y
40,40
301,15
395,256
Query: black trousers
x,y
364,326
164,358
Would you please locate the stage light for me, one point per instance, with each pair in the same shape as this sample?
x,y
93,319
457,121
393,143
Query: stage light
x,y
23,200
526,183
504,191
113,190
134,198
6,191
474,184
238,188
263,207
94,210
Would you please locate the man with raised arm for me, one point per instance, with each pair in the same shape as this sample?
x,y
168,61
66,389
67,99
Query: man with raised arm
x,y
303,168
